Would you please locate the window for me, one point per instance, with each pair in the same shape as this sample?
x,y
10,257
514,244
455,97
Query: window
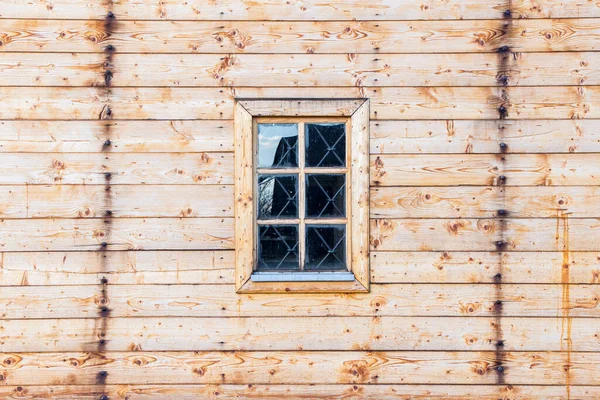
x,y
302,185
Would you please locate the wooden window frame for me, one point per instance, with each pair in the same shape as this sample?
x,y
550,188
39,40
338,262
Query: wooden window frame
x,y
247,111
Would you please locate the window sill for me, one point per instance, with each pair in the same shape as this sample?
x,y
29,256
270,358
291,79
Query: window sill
x,y
323,285
342,276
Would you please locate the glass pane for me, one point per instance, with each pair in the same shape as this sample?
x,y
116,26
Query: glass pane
x,y
278,247
277,145
325,247
325,195
277,196
325,145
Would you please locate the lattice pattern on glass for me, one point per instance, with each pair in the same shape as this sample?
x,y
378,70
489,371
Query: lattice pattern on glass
x,y
278,247
325,145
325,247
302,199
277,196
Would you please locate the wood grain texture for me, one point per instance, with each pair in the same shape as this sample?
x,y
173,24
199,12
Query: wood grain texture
x,y
480,136
207,267
391,136
127,201
267,70
360,195
272,367
299,392
217,103
390,300
522,35
485,202
484,170
483,234
126,136
302,334
124,168
307,10
119,267
481,267
125,234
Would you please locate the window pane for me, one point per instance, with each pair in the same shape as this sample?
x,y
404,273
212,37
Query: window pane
x,y
325,145
325,247
278,247
277,196
325,195
277,145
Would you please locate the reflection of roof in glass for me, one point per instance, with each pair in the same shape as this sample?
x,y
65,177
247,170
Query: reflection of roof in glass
x,y
285,155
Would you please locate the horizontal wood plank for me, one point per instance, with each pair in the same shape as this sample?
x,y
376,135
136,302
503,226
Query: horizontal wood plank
x,y
306,334
125,136
124,201
142,367
559,234
118,234
485,202
391,136
207,267
136,168
300,392
118,267
217,103
485,170
206,70
463,36
310,10
582,234
395,300
481,267
520,136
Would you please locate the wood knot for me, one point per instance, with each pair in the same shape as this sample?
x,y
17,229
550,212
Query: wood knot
x,y
58,164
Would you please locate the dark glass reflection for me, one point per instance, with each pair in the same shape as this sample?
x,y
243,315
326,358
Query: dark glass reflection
x,y
325,247
277,196
325,145
277,145
325,195
278,247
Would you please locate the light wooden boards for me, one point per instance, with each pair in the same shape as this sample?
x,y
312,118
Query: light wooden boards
x,y
301,392
208,267
302,334
484,202
119,267
484,234
308,10
480,136
123,168
118,234
294,367
326,37
386,234
72,136
426,103
485,169
124,201
220,301
389,136
267,70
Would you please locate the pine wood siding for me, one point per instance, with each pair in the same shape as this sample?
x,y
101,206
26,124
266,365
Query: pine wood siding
x,y
117,225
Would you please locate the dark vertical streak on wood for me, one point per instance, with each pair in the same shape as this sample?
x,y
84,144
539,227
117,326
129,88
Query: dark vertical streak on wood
x,y
503,79
101,325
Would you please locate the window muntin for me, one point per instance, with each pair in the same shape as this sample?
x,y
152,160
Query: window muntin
x,y
302,185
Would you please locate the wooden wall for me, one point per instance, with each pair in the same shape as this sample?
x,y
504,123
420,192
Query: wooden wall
x,y
116,171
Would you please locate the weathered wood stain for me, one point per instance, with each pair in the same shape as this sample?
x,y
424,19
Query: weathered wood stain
x,y
117,203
